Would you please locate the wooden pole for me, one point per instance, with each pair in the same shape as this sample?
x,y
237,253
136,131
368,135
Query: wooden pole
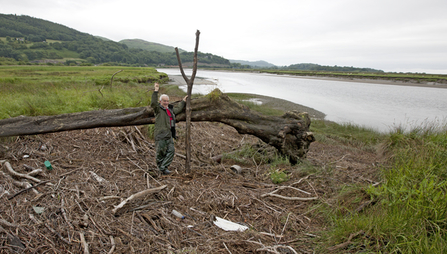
x,y
190,83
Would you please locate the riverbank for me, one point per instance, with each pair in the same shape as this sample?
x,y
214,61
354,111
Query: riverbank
x,y
377,81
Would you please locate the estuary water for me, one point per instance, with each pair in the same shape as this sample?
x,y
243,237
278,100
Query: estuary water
x,y
378,106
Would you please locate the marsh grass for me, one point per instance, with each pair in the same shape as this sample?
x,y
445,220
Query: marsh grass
x,y
409,211
246,156
346,134
50,90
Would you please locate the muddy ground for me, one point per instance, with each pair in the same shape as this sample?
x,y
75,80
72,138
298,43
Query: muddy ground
x,y
94,170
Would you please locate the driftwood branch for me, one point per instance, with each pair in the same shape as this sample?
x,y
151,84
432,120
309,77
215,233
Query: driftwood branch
x,y
64,213
84,243
190,83
273,249
12,172
119,208
27,189
273,193
25,185
112,242
289,133
8,224
111,80
34,171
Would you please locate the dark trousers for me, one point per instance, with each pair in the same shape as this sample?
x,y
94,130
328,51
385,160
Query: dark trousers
x,y
165,153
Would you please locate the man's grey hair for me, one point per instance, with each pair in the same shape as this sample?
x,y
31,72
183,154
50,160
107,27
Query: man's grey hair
x,y
164,95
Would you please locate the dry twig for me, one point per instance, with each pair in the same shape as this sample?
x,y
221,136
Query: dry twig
x,y
84,243
5,223
16,174
120,207
273,193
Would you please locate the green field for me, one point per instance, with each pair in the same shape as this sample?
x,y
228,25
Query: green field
x,y
50,90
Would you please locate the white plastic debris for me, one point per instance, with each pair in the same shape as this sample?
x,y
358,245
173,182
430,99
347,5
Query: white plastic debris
x,y
98,178
228,225
178,214
38,209
236,169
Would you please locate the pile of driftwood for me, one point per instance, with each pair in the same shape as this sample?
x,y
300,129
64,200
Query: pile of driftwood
x,y
102,194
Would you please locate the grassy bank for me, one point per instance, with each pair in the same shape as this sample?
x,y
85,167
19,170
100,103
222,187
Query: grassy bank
x,y
49,90
405,213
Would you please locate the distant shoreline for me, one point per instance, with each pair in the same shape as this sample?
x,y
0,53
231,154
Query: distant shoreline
x,y
375,81
358,80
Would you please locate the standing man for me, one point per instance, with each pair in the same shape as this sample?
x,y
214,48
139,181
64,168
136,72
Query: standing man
x,y
165,128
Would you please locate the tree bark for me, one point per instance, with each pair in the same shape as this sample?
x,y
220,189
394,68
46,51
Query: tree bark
x,y
190,83
289,133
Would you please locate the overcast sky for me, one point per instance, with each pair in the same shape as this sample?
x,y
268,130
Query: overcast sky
x,y
391,35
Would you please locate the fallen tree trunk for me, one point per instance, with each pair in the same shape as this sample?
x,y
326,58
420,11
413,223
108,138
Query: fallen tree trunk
x,y
289,133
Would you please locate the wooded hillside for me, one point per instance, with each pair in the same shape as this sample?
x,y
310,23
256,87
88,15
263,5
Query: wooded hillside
x,y
33,39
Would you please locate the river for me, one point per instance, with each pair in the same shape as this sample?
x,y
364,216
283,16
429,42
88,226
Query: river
x,y
382,107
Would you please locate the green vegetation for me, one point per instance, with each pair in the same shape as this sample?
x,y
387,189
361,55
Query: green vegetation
x,y
31,40
149,46
49,90
346,134
317,67
246,155
411,203
408,209
278,176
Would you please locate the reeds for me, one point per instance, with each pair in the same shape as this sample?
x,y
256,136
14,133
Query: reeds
x,y
407,212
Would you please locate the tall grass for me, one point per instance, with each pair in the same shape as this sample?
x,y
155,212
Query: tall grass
x,y
409,211
414,191
346,134
49,90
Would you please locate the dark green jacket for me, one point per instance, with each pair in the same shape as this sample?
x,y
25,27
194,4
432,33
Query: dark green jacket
x,y
162,127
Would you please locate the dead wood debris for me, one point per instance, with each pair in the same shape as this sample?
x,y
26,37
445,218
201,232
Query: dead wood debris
x,y
101,173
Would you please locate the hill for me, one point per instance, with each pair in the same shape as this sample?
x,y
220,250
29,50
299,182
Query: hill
x,y
37,30
298,67
103,38
27,39
255,64
317,67
149,46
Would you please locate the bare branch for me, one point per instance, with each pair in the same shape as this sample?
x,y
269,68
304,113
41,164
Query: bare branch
x,y
119,208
